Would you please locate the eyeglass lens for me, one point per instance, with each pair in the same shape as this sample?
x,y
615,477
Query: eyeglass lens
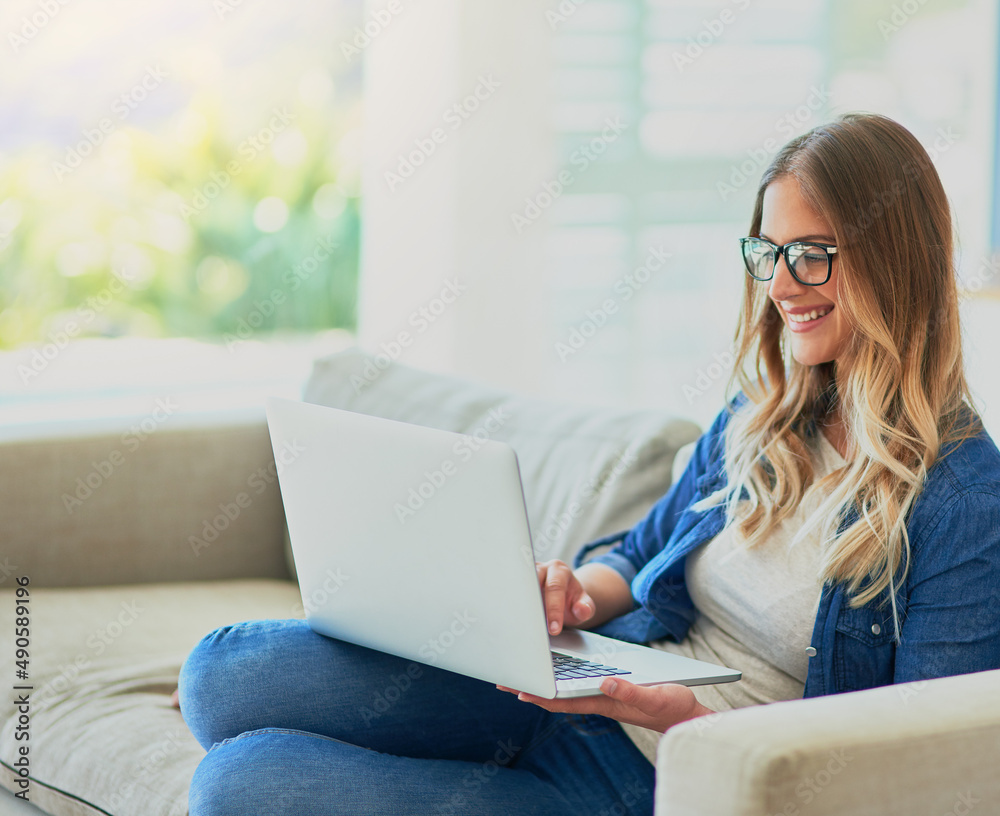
x,y
808,263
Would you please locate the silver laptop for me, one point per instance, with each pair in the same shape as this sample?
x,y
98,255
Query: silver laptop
x,y
415,541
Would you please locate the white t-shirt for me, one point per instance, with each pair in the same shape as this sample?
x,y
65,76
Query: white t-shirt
x,y
756,610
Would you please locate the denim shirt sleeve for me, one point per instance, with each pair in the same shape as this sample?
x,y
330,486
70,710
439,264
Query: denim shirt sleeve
x,y
952,623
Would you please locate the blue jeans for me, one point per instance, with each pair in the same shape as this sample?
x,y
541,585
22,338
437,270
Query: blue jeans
x,y
298,723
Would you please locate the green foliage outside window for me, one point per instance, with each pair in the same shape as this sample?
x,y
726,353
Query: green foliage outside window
x,y
201,235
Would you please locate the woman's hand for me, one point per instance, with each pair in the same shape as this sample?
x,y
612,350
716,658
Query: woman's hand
x,y
585,597
566,602
573,598
657,707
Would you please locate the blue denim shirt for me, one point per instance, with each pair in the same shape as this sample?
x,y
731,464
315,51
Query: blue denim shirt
x,y
947,603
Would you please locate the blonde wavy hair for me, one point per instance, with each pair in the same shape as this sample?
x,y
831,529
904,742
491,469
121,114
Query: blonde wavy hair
x,y
899,384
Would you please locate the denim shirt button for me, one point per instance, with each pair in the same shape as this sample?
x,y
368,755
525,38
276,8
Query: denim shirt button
x,y
876,629
811,651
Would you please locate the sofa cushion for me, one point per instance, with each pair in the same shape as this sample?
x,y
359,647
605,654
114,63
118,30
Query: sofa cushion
x,y
587,471
104,662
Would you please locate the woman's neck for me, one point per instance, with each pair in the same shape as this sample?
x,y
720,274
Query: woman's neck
x,y
836,433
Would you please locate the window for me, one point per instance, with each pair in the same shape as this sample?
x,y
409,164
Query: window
x,y
174,169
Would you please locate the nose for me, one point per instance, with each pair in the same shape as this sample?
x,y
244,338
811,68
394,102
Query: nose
x,y
783,285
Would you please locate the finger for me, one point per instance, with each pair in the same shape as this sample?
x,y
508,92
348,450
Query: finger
x,y
542,571
620,690
646,699
543,702
556,581
583,608
594,704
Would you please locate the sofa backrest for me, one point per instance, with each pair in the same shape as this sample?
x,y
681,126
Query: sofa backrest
x,y
194,502
200,501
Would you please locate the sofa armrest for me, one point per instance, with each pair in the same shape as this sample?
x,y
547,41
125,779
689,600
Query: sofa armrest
x,y
197,500
925,747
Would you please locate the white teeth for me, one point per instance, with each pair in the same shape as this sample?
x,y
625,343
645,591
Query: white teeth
x,y
815,313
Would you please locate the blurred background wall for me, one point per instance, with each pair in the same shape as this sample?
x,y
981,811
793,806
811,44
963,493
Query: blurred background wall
x,y
546,196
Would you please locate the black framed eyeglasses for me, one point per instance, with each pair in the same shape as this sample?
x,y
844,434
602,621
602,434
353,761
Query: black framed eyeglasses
x,y
810,263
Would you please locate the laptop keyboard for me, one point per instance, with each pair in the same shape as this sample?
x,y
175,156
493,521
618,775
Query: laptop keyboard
x,y
567,668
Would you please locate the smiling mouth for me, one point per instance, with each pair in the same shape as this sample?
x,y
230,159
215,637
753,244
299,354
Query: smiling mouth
x,y
806,317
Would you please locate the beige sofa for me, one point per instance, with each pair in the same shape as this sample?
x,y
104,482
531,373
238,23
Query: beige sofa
x,y
125,580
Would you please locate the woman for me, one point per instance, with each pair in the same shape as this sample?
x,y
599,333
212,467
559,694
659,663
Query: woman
x,y
837,528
